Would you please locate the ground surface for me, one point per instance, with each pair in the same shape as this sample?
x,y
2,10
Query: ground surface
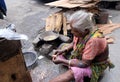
x,y
29,15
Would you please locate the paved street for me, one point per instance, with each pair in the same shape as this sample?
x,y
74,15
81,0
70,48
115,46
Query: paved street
x,y
29,17
113,75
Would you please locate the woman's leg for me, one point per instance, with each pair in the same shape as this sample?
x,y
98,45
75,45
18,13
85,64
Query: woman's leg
x,y
65,77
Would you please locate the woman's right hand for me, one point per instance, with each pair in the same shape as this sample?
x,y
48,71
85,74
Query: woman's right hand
x,y
58,52
58,59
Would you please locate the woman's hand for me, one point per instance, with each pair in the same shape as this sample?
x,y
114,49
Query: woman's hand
x,y
57,59
58,52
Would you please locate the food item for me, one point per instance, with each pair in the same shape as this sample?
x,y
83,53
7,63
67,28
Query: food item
x,y
50,37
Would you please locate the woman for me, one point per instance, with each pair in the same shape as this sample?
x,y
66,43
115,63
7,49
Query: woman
x,y
90,56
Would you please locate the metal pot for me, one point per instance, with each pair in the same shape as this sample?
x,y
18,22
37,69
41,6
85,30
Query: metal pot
x,y
49,36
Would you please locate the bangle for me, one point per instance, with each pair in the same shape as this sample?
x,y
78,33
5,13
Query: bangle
x,y
69,62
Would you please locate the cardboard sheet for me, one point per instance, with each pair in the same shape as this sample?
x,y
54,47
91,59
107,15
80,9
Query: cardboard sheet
x,y
66,4
108,28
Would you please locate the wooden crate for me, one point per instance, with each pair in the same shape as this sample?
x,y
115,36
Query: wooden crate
x,y
14,70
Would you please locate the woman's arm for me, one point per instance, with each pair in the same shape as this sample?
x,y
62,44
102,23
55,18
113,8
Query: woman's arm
x,y
77,63
68,48
58,52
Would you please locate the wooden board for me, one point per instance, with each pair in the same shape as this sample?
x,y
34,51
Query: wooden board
x,y
108,28
54,22
66,4
14,70
64,25
58,21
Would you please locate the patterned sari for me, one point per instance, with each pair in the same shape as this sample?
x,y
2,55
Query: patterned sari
x,y
97,68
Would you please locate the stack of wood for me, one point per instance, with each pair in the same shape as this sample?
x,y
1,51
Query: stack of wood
x,y
56,22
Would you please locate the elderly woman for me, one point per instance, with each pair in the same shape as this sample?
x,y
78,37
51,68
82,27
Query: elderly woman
x,y
90,56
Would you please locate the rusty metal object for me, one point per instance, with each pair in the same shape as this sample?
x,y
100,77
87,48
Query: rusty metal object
x,y
8,48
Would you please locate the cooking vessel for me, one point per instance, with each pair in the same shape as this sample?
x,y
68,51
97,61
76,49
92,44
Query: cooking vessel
x,y
48,36
30,58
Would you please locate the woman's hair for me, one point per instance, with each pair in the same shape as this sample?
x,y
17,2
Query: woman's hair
x,y
82,20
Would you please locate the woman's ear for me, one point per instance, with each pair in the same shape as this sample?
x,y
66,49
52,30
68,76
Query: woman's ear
x,y
87,31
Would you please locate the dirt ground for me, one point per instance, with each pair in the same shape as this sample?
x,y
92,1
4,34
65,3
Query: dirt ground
x,y
29,17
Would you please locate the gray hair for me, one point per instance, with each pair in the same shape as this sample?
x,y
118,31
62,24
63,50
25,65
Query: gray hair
x,y
82,20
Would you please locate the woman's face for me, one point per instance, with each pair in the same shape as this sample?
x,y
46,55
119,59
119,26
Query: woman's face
x,y
76,33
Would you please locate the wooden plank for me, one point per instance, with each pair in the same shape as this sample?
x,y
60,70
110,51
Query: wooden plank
x,y
54,22
58,21
47,27
14,70
50,23
108,28
64,25
66,4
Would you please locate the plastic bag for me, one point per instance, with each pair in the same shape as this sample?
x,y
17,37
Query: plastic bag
x,y
9,34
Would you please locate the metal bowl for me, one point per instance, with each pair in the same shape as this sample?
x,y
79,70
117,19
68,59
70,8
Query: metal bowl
x,y
48,36
30,58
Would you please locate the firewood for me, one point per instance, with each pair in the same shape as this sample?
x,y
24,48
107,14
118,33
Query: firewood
x,y
64,25
47,27
52,22
108,28
58,22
